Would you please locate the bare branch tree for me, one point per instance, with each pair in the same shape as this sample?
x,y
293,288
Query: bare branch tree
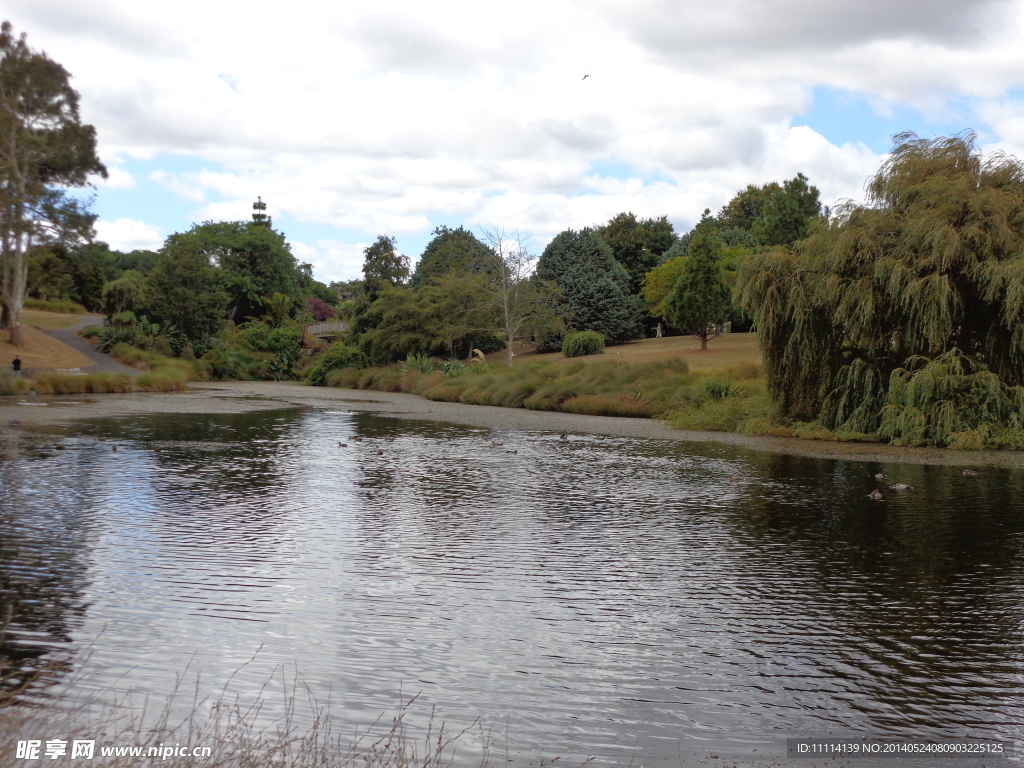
x,y
519,301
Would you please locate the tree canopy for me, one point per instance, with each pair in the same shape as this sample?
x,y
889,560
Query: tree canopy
x,y
452,250
44,147
595,287
921,285
638,244
182,293
699,300
255,262
772,214
383,267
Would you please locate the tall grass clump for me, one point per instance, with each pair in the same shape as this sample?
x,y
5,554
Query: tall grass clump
x,y
583,343
414,362
53,383
286,726
166,379
64,306
7,385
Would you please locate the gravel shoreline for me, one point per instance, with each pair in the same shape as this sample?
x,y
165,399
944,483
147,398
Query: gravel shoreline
x,y
248,396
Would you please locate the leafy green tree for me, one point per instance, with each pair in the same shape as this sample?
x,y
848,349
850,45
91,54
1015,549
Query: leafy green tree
x,y
183,291
254,262
772,214
595,287
122,295
43,147
787,213
638,244
747,206
279,306
658,283
50,274
452,250
699,301
931,267
438,318
383,267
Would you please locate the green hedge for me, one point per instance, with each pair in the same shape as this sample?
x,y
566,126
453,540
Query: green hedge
x,y
582,344
338,356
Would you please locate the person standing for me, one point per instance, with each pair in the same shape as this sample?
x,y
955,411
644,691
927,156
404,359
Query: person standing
x,y
16,365
657,332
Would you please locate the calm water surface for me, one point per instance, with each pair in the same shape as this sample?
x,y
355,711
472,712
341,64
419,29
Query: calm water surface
x,y
604,597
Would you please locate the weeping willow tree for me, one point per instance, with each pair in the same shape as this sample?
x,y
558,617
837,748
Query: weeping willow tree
x,y
904,317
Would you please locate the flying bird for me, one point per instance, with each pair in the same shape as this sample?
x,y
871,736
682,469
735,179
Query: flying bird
x,y
585,77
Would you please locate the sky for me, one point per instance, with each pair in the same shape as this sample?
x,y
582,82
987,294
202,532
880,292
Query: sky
x,y
392,117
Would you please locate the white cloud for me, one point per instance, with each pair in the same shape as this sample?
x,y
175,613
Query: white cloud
x,y
386,118
129,235
332,259
117,178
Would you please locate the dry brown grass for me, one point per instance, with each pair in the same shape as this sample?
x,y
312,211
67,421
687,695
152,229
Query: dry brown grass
x,y
41,351
724,352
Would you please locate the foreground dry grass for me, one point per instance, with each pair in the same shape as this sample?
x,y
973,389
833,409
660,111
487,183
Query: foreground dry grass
x,y
284,725
41,351
724,352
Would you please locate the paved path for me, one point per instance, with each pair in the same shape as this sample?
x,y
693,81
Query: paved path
x,y
104,363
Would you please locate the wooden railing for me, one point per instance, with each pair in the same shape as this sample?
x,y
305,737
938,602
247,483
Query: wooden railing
x,y
327,327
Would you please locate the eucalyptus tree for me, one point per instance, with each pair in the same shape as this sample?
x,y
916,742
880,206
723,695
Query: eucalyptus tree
x,y
922,284
44,147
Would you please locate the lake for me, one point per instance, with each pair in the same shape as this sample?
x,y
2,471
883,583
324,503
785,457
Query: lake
x,y
627,599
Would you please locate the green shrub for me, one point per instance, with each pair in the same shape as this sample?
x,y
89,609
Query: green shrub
x,y
162,346
338,356
90,331
489,344
114,335
949,401
223,365
453,367
719,389
582,344
416,362
277,349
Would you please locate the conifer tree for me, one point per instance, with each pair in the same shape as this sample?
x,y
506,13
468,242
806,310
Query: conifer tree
x,y
699,301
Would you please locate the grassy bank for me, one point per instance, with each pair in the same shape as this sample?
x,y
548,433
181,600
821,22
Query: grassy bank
x,y
729,399
715,399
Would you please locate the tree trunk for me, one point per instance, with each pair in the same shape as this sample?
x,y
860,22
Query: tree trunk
x,y
704,343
